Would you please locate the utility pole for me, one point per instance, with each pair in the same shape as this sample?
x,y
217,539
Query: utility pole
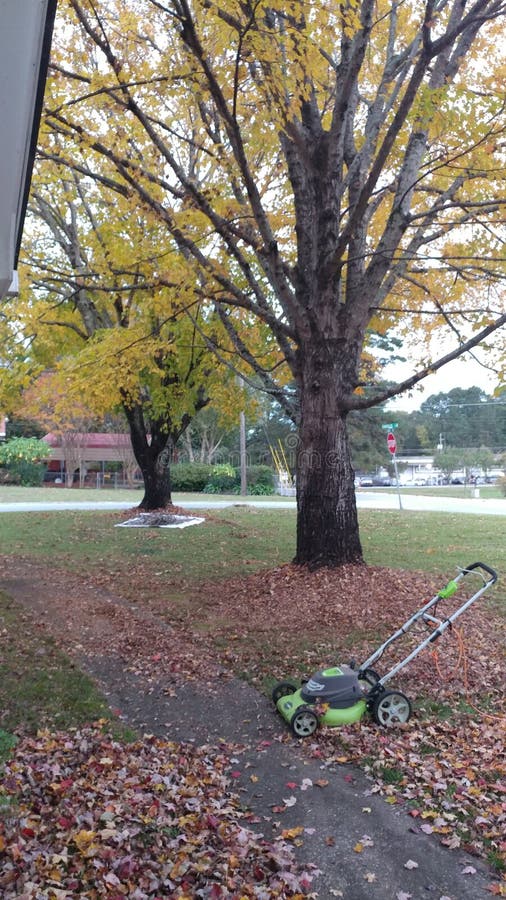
x,y
242,452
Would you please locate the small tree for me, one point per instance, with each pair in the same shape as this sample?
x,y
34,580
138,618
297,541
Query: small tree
x,y
449,460
104,313
21,456
65,416
203,438
483,459
125,453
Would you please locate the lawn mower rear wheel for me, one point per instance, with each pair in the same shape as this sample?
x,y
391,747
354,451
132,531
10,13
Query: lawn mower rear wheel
x,y
391,708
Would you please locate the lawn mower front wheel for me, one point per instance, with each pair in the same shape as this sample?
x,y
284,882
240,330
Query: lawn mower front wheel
x,y
391,708
304,722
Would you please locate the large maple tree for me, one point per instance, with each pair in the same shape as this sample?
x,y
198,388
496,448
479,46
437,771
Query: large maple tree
x,y
328,169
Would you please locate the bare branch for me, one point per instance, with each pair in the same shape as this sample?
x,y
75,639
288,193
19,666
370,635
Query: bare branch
x,y
406,385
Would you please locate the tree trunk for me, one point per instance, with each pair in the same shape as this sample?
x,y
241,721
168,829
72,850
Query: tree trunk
x,y
153,452
156,475
327,521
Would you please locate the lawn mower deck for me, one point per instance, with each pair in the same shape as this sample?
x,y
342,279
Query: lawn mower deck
x,y
338,696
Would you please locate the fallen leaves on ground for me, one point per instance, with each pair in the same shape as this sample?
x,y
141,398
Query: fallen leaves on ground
x,y
451,777
450,772
86,816
447,765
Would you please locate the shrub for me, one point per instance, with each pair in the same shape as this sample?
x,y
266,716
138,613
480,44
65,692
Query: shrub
x,y
29,450
260,490
213,489
27,474
22,460
221,478
224,479
260,476
190,476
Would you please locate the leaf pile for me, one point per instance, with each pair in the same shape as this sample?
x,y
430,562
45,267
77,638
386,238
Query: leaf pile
x,y
87,816
316,618
447,764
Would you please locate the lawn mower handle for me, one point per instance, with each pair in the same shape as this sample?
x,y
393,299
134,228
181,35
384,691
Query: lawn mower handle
x,y
480,565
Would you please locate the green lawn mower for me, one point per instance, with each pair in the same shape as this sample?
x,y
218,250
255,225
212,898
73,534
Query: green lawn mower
x,y
343,694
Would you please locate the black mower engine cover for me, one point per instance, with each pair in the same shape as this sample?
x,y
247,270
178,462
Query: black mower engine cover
x,y
338,686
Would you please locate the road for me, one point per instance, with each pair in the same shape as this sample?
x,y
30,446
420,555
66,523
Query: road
x,y
365,500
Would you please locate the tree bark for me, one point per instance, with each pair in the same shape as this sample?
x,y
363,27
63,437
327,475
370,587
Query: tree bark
x,y
327,521
157,485
153,451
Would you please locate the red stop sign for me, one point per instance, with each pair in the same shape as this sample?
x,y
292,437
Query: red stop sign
x,y
391,442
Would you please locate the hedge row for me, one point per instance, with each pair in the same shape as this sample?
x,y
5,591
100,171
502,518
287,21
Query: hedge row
x,y
185,477
201,477
27,474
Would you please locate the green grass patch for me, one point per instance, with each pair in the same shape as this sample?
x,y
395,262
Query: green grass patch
x,y
496,860
462,491
39,686
7,742
432,541
235,542
17,494
391,775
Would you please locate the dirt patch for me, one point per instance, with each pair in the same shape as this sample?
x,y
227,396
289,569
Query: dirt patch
x,y
88,621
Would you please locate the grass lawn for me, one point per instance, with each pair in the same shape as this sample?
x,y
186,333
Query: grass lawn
x,y
39,686
38,683
239,540
487,491
14,494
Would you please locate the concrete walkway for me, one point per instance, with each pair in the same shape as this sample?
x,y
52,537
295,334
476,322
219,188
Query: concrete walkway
x,y
365,500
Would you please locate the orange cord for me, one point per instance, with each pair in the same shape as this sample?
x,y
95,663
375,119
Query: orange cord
x,y
463,659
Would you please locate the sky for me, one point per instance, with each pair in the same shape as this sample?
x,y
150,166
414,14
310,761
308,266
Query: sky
x,y
464,373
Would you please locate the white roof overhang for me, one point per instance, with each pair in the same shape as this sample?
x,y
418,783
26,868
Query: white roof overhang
x,y
26,28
